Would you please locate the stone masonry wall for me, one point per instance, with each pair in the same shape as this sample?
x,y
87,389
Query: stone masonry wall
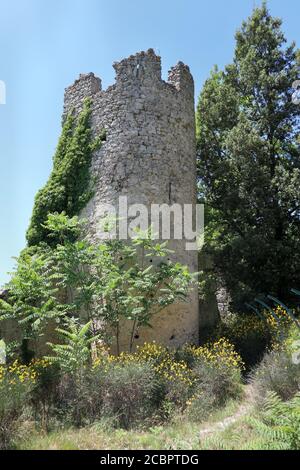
x,y
149,156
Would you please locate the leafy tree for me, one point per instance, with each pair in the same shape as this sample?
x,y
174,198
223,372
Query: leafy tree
x,y
249,165
100,284
135,290
74,354
33,296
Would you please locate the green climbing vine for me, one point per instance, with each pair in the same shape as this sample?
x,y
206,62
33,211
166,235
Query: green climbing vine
x,y
69,186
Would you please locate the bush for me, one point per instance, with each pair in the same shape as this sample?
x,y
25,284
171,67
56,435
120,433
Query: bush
x,y
215,384
250,335
213,371
279,423
16,383
170,370
217,352
177,394
73,400
131,393
217,376
129,390
220,382
44,397
276,373
174,377
126,393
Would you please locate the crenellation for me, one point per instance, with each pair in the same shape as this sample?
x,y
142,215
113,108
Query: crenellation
x,y
138,68
87,85
181,78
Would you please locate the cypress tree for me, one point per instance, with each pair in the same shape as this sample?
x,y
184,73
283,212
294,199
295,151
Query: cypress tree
x,y
249,163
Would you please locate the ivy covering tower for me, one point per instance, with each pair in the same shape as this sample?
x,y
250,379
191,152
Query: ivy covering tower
x,y
69,186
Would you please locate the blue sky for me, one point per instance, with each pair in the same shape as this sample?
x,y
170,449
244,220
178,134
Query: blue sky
x,y
44,46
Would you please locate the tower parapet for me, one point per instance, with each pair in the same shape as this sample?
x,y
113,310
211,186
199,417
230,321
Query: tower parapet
x,y
181,77
85,86
139,67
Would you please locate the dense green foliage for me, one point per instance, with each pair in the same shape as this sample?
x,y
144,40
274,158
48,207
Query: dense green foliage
x,y
249,163
75,352
251,335
276,373
16,385
279,371
69,187
130,390
249,176
103,284
279,423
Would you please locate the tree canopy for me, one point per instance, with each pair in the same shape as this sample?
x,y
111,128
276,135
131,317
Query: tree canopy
x,y
249,163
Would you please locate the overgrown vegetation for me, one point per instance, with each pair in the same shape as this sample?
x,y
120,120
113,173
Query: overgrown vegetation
x,y
279,425
155,389
16,387
253,335
79,394
145,388
102,284
69,187
279,371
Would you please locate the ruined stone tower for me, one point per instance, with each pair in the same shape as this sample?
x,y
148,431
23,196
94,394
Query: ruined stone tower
x,y
149,156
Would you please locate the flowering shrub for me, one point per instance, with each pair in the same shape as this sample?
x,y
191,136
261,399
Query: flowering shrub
x,y
279,327
174,377
163,360
147,385
179,370
16,372
220,352
157,356
16,383
251,335
217,376
164,364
